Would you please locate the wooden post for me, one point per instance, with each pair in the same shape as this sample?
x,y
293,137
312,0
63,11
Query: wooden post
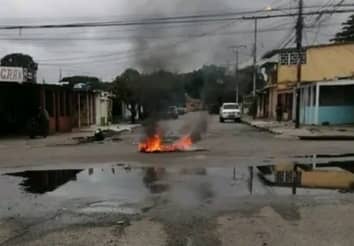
x,y
87,110
42,97
317,121
70,105
54,105
312,121
91,108
94,111
251,180
64,104
294,179
58,93
59,103
78,111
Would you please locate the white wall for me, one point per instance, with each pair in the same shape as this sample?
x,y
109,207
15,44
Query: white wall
x,y
103,108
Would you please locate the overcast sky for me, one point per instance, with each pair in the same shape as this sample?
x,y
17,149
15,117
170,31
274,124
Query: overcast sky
x,y
106,52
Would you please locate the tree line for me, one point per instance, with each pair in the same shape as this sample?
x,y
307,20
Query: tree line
x,y
148,94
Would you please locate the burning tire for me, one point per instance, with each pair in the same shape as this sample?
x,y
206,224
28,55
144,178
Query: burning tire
x,y
155,144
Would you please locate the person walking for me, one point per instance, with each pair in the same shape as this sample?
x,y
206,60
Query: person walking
x,y
279,112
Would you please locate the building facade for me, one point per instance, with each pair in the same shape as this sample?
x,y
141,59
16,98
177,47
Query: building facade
x,y
326,86
67,108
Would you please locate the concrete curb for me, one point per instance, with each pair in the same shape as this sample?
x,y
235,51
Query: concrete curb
x,y
260,128
327,138
309,137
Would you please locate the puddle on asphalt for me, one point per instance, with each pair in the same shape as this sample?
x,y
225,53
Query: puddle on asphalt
x,y
119,189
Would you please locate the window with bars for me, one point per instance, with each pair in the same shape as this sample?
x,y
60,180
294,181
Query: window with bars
x,y
284,58
291,58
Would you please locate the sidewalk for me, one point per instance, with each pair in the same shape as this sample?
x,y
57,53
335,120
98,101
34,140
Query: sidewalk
x,y
63,138
287,129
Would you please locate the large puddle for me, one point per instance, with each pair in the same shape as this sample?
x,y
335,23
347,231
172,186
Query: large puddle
x,y
121,189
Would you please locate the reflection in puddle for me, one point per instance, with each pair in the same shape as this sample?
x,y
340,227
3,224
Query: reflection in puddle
x,y
326,156
118,188
321,176
40,182
151,178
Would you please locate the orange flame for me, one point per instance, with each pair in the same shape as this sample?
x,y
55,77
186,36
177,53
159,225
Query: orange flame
x,y
155,144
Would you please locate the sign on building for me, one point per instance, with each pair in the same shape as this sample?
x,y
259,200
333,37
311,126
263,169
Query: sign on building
x,y
11,74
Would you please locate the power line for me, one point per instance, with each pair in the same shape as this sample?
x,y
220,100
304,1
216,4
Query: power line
x,y
177,20
123,55
318,21
114,56
204,15
134,37
165,36
175,44
204,21
154,33
144,52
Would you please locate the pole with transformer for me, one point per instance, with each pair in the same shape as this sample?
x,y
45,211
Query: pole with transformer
x,y
299,33
236,49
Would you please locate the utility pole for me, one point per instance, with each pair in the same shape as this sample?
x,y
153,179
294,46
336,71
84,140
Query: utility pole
x,y
236,77
236,49
299,32
255,57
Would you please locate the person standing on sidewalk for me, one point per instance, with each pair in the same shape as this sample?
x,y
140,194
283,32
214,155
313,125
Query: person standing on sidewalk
x,y
39,124
279,112
43,121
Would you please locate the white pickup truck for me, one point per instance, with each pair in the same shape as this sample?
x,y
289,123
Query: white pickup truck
x,y
230,111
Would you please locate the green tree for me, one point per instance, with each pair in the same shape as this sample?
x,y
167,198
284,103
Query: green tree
x,y
212,84
347,32
24,61
152,92
194,83
127,88
159,90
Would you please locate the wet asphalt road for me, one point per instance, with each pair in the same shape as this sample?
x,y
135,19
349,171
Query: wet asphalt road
x,y
186,206
227,145
236,144
233,194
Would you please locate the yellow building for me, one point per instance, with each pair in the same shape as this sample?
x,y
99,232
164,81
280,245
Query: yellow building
x,y
327,83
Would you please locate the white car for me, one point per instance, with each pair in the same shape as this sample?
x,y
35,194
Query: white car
x,y
230,111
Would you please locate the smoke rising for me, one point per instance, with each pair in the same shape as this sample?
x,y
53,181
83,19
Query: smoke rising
x,y
177,52
196,127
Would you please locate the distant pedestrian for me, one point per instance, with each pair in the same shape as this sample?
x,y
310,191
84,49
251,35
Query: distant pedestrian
x,y
279,112
39,124
43,120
